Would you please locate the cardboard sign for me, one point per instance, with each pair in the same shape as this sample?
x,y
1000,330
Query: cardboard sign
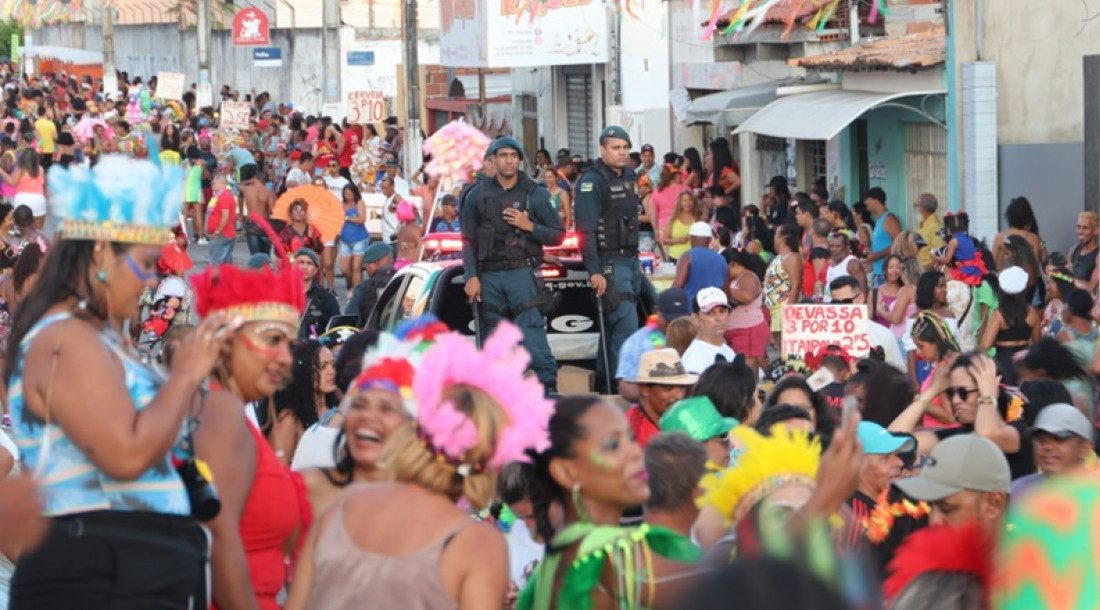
x,y
250,28
366,107
809,328
170,85
234,115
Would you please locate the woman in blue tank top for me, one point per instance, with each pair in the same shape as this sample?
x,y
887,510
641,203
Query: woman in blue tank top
x,y
354,237
98,429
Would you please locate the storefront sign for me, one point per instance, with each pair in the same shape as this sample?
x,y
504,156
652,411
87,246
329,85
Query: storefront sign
x,y
234,115
267,57
504,34
170,85
365,107
360,58
809,328
250,28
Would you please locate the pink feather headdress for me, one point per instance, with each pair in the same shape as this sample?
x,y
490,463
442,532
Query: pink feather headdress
x,y
498,369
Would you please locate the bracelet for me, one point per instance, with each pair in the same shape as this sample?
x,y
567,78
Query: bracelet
x,y
987,400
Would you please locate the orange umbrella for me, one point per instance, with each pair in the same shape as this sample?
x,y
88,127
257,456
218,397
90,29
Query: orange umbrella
x,y
324,210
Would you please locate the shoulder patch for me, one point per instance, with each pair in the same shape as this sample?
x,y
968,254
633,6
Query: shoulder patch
x,y
586,187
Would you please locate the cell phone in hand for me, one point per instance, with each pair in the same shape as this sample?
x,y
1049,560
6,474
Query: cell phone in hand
x,y
849,410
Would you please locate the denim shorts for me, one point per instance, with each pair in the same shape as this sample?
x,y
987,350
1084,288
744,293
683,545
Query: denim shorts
x,y
357,248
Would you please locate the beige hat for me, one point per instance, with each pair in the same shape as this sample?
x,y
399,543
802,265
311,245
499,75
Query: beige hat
x,y
964,461
663,367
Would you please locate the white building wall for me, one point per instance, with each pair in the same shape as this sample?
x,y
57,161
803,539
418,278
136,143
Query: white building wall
x,y
646,75
383,75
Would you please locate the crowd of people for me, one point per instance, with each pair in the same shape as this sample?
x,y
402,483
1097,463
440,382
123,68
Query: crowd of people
x,y
260,460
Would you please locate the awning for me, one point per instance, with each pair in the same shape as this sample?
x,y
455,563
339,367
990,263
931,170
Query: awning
x,y
735,106
66,54
820,115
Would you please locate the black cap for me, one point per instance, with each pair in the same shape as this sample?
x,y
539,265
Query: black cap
x,y
647,148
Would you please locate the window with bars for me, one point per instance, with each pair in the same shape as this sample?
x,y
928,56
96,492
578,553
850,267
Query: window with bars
x,y
925,165
578,112
818,165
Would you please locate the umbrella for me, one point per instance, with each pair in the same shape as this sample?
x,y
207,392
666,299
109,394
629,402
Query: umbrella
x,y
325,210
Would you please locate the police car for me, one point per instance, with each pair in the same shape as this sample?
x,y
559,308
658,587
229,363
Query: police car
x,y
437,287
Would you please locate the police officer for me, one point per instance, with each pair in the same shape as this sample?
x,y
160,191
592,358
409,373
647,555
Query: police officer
x,y
505,221
606,212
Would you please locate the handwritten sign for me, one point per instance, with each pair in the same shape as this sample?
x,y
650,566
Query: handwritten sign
x,y
170,85
366,107
809,328
234,115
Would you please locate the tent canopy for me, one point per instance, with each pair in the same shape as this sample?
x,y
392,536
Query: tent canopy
x,y
819,115
735,106
64,54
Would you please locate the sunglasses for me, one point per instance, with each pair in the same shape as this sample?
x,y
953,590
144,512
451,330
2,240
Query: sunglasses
x,y
964,393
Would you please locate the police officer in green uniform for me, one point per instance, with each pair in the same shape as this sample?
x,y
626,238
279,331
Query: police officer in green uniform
x,y
506,220
605,209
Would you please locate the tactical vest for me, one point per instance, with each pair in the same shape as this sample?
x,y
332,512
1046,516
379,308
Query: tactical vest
x,y
497,240
617,231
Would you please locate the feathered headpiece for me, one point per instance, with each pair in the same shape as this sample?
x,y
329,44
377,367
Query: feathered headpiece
x,y
498,370
941,548
392,362
261,294
767,463
120,200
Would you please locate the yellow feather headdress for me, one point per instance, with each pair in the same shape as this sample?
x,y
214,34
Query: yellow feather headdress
x,y
766,464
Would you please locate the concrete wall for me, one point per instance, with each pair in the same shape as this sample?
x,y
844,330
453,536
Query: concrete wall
x,y
147,49
1051,177
644,67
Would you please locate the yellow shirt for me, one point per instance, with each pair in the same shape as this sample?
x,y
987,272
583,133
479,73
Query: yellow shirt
x,y
47,135
678,230
169,157
929,230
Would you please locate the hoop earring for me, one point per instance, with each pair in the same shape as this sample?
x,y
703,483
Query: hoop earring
x,y
578,503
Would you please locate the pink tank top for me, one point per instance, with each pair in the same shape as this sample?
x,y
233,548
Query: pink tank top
x,y
746,315
29,184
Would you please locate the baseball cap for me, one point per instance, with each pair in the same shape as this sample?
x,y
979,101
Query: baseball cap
x,y
1012,280
448,199
709,298
1063,420
673,303
700,229
391,162
614,131
647,148
376,252
961,462
878,440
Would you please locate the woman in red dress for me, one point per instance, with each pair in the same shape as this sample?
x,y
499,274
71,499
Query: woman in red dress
x,y
265,512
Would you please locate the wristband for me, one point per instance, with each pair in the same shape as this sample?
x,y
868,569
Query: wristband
x,y
987,400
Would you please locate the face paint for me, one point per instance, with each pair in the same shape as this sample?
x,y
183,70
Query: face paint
x,y
254,339
597,458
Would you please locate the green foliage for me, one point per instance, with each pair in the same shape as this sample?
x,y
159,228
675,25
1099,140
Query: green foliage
x,y
7,28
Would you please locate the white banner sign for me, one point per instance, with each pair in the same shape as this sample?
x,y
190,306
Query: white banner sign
x,y
234,115
170,85
809,328
366,107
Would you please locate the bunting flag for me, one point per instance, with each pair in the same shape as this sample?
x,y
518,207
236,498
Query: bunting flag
x,y
32,14
748,15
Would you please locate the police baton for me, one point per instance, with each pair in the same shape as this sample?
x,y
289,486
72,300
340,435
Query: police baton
x,y
475,306
603,340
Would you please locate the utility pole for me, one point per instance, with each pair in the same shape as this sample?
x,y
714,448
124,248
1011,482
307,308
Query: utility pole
x,y
330,49
414,156
110,78
202,36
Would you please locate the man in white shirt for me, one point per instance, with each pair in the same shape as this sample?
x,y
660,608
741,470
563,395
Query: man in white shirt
x,y
400,185
334,181
711,310
300,173
845,290
389,210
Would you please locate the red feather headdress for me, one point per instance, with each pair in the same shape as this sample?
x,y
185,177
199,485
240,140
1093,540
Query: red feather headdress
x,y
941,548
263,294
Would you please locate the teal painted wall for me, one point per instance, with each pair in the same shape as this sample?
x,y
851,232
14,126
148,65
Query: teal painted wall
x,y
886,140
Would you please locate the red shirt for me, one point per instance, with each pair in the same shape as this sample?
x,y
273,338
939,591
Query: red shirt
x,y
351,144
228,204
643,427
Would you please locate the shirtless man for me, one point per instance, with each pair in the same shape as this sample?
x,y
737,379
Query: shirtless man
x,y
407,237
259,200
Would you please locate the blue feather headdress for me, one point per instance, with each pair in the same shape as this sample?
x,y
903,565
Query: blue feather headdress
x,y
120,199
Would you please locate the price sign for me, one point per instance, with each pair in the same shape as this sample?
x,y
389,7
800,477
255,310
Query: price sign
x,y
366,107
808,328
234,115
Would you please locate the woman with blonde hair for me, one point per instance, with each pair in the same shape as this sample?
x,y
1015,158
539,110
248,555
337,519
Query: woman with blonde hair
x,y
689,210
905,246
680,333
406,544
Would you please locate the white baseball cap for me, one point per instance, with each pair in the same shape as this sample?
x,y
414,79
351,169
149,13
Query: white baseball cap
x,y
700,229
1013,280
709,298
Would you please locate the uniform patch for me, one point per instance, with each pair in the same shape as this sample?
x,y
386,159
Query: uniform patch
x,y
586,187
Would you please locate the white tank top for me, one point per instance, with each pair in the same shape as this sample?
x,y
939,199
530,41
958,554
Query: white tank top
x,y
836,271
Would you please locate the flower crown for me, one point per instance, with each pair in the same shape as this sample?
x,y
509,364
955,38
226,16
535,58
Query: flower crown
x,y
498,370
768,462
392,362
120,200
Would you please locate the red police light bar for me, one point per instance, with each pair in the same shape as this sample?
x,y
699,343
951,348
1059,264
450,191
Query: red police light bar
x,y
447,243
551,273
571,243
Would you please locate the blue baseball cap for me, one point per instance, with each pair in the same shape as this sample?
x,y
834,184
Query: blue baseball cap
x,y
879,441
